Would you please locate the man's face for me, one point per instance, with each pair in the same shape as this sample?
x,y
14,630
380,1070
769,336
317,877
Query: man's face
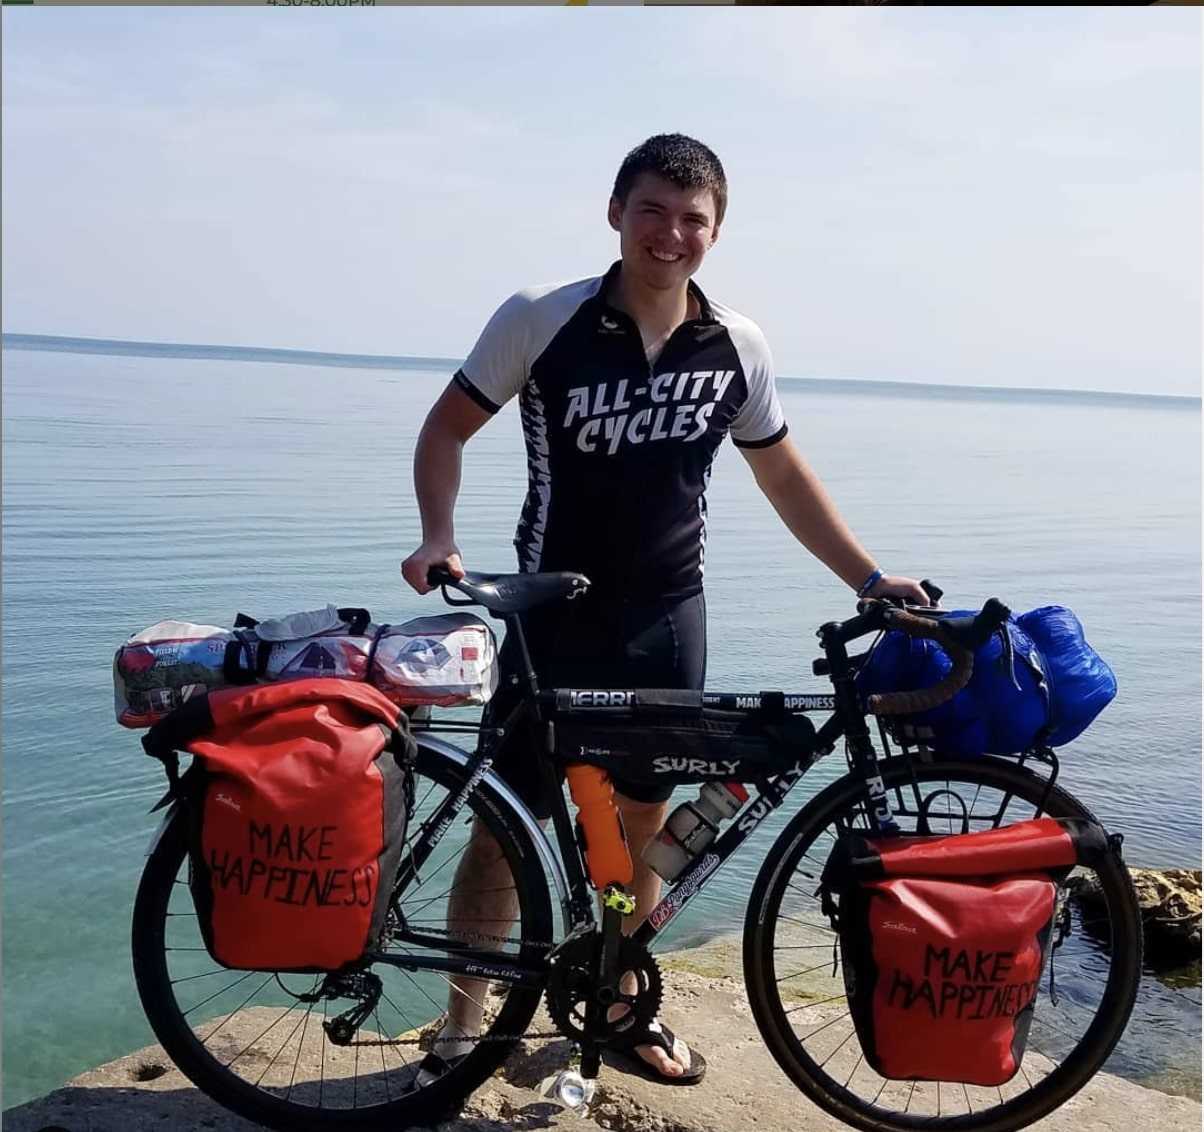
x,y
664,231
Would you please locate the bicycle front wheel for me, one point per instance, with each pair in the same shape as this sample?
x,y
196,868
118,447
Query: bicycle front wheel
x,y
792,965
259,1042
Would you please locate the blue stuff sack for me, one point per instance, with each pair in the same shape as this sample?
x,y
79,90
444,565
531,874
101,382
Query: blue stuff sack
x,y
1081,684
1046,692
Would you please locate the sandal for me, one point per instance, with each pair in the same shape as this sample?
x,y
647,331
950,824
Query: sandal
x,y
431,1068
659,1035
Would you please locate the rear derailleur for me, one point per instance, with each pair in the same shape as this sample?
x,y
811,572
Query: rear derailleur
x,y
362,987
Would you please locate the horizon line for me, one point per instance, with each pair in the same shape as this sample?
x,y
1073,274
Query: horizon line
x,y
273,354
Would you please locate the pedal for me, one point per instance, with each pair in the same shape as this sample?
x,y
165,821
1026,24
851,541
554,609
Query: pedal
x,y
618,900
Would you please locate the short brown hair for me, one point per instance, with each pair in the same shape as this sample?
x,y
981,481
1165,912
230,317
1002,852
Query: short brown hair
x,y
685,162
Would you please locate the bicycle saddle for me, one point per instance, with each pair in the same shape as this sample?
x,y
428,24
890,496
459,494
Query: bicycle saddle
x,y
509,593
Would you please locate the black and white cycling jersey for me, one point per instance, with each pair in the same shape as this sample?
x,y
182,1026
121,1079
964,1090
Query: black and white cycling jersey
x,y
619,451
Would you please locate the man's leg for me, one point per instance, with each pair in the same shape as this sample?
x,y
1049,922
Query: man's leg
x,y
482,902
643,821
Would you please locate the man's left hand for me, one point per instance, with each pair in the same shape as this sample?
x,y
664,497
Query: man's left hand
x,y
908,589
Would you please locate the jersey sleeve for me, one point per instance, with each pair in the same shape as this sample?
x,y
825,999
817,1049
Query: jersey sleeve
x,y
760,421
500,363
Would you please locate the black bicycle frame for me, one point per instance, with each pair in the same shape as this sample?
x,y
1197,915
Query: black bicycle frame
x,y
847,720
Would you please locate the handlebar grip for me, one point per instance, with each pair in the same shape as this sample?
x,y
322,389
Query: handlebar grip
x,y
934,592
439,576
904,703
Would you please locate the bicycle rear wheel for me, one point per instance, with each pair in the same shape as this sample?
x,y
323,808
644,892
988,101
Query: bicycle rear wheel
x,y
792,969
255,1041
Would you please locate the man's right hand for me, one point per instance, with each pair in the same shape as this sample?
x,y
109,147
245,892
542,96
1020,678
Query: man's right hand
x,y
415,568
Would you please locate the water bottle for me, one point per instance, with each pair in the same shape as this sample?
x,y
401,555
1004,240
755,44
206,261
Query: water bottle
x,y
600,826
692,827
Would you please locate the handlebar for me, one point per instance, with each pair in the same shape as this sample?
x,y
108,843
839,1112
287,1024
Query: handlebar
x,y
960,637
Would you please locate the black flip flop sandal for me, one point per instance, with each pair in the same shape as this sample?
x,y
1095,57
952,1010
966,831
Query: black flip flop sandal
x,y
436,1066
663,1038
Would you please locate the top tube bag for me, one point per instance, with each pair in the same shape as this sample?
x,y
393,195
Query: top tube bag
x,y
298,800
944,939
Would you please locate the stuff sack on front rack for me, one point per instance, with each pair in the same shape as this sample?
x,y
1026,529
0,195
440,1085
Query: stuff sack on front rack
x,y
944,940
668,736
443,661
297,800
1036,682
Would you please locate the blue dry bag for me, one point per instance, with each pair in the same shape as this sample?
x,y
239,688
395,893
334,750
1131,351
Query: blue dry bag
x,y
1043,689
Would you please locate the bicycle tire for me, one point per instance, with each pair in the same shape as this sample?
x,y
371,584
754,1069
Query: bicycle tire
x,y
201,1057
802,846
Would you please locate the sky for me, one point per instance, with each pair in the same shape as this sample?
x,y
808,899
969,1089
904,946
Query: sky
x,y
973,196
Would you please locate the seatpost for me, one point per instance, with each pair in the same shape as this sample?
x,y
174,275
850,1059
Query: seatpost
x,y
514,627
860,746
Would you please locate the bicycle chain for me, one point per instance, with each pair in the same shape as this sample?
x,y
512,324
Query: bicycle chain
x,y
481,937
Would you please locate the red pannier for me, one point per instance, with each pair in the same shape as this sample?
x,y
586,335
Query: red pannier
x,y
299,797
944,940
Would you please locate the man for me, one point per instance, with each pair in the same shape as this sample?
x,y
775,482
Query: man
x,y
627,385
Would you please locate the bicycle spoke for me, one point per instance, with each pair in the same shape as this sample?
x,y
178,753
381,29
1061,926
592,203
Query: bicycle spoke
x,y
402,1015
233,1012
808,971
428,901
288,1038
384,1071
421,990
820,1002
856,1065
241,979
280,1018
202,975
844,1041
355,1079
804,923
300,1046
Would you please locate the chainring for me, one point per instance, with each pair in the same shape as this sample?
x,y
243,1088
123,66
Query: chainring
x,y
571,986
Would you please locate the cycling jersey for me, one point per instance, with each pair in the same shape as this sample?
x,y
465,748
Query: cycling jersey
x,y
619,451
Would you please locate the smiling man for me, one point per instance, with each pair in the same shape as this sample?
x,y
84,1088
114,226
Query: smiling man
x,y
627,384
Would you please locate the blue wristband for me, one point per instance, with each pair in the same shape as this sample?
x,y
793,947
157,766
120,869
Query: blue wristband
x,y
870,583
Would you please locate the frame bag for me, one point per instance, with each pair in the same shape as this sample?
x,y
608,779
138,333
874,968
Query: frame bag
x,y
298,798
944,941
667,736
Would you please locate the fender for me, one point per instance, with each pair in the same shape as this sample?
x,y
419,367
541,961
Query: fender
x,y
543,847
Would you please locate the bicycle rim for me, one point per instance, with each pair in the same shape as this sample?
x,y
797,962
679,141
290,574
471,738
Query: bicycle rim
x,y
256,1041
792,960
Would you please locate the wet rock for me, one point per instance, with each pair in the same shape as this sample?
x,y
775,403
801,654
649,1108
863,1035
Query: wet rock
x,y
1170,911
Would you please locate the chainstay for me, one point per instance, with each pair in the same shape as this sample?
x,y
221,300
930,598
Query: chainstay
x,y
479,937
477,1040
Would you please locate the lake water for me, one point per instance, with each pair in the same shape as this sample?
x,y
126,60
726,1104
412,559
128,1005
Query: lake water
x,y
138,489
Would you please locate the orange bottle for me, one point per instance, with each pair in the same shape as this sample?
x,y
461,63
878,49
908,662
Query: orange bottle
x,y
600,826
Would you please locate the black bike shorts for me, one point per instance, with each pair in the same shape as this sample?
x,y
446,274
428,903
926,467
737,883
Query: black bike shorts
x,y
587,643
